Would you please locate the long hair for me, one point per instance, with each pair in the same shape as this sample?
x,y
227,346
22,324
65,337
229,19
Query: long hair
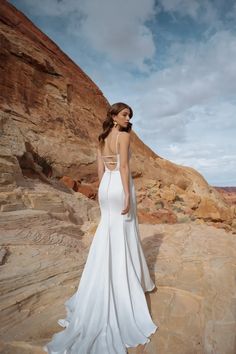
x,y
108,122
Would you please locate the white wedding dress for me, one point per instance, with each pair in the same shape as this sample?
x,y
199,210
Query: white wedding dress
x,y
109,312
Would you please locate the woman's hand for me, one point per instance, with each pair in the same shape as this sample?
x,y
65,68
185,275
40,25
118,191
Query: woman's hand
x,y
127,204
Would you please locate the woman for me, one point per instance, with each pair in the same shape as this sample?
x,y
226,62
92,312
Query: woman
x,y
109,312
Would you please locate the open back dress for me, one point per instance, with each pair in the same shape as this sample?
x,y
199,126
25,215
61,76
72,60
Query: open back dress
x,y
109,312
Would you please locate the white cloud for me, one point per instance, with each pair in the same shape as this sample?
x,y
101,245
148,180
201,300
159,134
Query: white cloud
x,y
115,29
206,72
201,11
182,7
232,13
209,146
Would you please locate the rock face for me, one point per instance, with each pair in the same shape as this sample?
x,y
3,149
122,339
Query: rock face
x,y
50,117
229,193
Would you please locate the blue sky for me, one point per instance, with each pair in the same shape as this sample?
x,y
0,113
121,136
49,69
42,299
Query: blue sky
x,y
173,61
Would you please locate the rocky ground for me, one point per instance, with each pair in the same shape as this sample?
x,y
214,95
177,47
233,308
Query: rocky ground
x,y
44,251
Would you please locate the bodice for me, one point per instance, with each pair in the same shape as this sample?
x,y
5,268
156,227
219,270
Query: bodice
x,y
117,162
117,156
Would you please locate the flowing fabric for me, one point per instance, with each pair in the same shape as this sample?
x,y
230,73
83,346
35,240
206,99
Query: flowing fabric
x,y
109,312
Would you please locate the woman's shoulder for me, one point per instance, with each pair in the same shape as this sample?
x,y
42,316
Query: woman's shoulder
x,y
124,135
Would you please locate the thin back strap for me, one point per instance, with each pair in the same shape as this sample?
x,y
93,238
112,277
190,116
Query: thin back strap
x,y
117,142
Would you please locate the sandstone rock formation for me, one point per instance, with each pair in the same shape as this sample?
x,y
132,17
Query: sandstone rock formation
x,y
50,116
229,193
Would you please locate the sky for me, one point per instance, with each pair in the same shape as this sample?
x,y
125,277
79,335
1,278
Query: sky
x,y
172,61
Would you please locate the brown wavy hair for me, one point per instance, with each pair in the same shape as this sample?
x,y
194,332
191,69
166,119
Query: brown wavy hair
x,y
108,122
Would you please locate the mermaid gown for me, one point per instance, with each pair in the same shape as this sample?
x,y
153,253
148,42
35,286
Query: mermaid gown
x,y
109,313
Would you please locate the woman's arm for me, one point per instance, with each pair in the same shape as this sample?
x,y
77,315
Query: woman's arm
x,y
124,161
100,165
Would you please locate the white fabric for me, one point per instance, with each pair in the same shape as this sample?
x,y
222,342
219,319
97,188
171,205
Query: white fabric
x,y
109,313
